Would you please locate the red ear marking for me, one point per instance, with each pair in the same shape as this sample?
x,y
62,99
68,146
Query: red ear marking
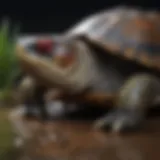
x,y
44,45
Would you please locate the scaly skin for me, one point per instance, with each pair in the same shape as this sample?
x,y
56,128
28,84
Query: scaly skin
x,y
88,74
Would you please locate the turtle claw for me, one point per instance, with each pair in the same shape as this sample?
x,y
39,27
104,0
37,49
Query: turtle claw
x,y
119,121
104,123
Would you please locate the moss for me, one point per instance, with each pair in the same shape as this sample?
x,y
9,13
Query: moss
x,y
7,150
6,135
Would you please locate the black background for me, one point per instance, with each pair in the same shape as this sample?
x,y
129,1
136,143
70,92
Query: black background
x,y
58,15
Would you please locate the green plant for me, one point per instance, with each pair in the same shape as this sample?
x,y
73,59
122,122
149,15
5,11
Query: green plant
x,y
9,68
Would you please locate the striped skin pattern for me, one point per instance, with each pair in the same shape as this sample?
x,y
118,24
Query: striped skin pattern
x,y
134,36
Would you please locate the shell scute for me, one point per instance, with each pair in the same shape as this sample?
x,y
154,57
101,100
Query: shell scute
x,y
134,37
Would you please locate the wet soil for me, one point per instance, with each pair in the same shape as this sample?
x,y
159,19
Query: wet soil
x,y
76,140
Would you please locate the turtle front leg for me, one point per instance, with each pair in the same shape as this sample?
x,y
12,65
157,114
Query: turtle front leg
x,y
26,89
137,94
39,97
36,98
32,96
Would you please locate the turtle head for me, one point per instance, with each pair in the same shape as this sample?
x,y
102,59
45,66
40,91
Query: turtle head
x,y
63,64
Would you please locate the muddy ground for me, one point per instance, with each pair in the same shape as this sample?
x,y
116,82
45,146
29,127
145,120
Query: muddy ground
x,y
74,139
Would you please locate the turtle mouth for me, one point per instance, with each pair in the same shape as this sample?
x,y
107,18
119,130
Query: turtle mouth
x,y
75,78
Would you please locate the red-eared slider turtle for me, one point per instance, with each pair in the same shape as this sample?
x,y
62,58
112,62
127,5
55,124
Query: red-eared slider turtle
x,y
119,57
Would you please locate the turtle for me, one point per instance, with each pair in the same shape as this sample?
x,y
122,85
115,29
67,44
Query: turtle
x,y
116,55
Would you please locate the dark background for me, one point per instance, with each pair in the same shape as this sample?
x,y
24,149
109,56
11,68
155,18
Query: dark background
x,y
58,15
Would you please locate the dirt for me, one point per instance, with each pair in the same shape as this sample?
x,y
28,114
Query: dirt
x,y
76,140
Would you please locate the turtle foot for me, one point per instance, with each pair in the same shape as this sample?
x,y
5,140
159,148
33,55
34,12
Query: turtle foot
x,y
119,120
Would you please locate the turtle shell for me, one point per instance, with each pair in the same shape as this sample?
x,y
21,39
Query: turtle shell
x,y
132,34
